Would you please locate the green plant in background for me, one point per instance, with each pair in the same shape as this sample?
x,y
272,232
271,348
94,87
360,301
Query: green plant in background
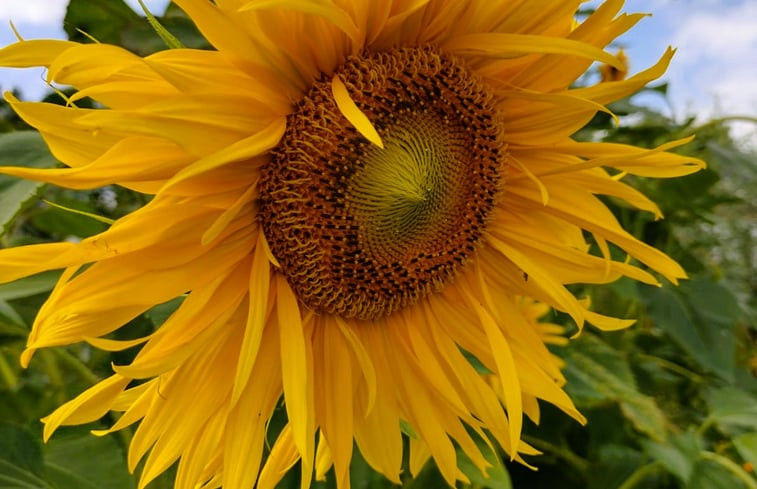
x,y
671,402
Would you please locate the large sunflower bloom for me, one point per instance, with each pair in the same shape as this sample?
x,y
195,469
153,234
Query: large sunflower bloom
x,y
354,197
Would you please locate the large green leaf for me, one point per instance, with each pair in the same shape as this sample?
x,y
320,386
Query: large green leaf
x,y
613,466
21,449
679,456
11,322
21,148
79,460
56,221
21,465
103,20
746,445
141,38
597,373
700,317
25,287
732,408
712,303
710,475
14,477
114,22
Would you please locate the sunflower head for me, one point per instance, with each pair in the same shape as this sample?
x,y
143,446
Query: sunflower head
x,y
364,228
367,208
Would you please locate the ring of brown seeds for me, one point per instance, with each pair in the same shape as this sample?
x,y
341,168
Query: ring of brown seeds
x,y
362,231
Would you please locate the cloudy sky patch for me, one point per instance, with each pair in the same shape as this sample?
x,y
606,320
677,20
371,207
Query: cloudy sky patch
x,y
39,12
717,59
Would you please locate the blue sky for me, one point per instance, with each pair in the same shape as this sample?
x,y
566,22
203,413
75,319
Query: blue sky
x,y
713,74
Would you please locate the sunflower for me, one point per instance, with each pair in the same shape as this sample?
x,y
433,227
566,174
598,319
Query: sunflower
x,y
365,208
615,73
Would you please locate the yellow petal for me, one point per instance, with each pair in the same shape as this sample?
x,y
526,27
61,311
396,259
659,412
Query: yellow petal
x,y
507,373
284,454
542,277
507,45
35,52
88,406
22,261
246,427
353,113
249,147
363,359
329,11
260,278
297,372
323,460
70,142
336,399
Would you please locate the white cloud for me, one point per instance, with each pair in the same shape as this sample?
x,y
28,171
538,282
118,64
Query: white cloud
x,y
51,12
715,71
719,36
33,11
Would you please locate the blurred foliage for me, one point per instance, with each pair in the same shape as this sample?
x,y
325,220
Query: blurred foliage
x,y
671,402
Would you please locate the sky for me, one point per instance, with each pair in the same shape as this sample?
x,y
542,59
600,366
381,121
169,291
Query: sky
x,y
714,72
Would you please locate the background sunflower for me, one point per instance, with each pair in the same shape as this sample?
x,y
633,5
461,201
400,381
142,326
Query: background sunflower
x,y
669,403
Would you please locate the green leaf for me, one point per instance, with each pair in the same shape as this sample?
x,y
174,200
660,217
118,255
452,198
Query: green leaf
x,y
61,221
496,476
25,287
103,20
746,445
141,38
679,456
729,156
731,407
644,414
710,475
712,302
11,322
615,463
158,314
14,477
661,88
428,477
80,460
590,362
21,148
699,317
20,449
362,476
597,373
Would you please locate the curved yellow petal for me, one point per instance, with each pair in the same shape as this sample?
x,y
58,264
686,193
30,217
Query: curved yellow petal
x,y
352,112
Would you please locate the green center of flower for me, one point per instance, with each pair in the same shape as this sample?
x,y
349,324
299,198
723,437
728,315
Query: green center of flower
x,y
360,230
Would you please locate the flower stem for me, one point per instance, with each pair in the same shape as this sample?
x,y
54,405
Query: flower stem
x,y
570,457
639,475
75,364
673,367
732,467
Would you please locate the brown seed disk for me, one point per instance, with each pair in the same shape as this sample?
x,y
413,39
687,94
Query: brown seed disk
x,y
362,231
